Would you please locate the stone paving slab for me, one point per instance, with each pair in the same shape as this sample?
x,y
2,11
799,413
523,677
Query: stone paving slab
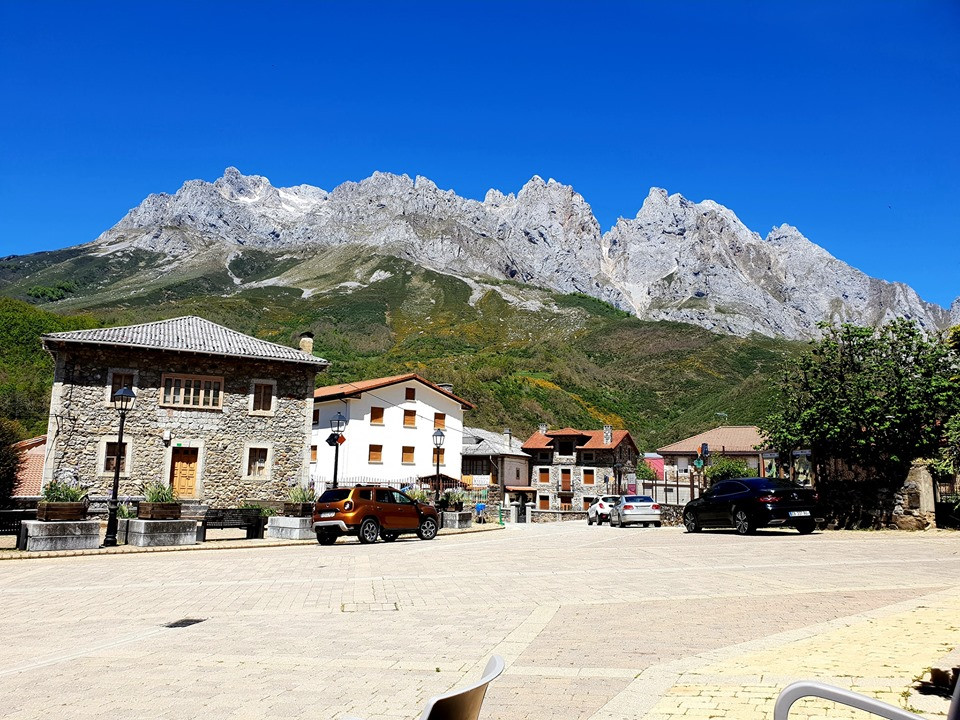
x,y
602,623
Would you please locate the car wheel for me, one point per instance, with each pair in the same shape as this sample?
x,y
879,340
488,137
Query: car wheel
x,y
742,522
657,524
427,529
388,536
599,519
612,523
327,537
369,531
806,528
645,525
690,522
589,520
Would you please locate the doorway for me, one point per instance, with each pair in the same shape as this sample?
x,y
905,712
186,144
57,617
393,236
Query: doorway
x,y
183,471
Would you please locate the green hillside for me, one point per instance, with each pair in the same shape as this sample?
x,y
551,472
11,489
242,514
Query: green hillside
x,y
560,359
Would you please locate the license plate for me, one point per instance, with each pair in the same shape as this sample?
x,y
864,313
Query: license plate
x,y
331,513
800,513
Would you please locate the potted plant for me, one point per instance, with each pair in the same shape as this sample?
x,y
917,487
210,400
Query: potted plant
x,y
159,502
455,499
300,500
64,498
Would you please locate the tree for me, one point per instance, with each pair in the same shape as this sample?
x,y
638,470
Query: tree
x,y
645,472
724,468
866,402
10,459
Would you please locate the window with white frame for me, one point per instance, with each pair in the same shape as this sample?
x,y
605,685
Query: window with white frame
x,y
107,455
262,397
256,461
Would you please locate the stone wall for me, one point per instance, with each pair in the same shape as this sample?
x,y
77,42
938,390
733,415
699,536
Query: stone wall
x,y
540,516
602,466
82,420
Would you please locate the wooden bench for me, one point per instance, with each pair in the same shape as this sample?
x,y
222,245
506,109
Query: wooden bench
x,y
222,518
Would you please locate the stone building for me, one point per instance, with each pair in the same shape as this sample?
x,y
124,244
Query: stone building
x,y
493,459
570,468
221,416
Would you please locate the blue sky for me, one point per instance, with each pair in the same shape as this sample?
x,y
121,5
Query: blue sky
x,y
840,118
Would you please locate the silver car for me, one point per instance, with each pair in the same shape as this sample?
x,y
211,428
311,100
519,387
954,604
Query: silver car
x,y
635,510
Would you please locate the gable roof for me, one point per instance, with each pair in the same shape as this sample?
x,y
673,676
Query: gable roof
x,y
354,389
729,439
479,442
185,334
594,439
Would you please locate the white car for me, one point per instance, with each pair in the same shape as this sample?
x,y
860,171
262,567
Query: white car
x,y
599,510
635,510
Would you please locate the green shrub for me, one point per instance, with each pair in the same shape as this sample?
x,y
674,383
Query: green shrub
x,y
65,487
302,493
264,511
158,492
724,468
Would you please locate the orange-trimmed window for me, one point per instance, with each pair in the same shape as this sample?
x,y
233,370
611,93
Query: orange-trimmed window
x,y
411,393
376,416
313,453
409,418
565,480
588,478
375,454
408,453
544,475
438,452
544,502
192,391
439,421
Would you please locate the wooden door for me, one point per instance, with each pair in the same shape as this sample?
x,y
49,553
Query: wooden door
x,y
183,471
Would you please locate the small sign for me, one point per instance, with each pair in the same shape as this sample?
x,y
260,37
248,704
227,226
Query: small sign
x,y
332,439
801,453
698,463
341,439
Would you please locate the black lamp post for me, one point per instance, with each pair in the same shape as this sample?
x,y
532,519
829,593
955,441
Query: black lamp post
x,y
438,438
122,401
337,424
617,471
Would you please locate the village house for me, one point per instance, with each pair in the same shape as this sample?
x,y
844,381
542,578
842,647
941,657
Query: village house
x,y
221,416
493,460
570,468
388,431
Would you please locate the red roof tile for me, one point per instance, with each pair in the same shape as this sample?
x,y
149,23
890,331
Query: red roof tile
x,y
594,439
30,476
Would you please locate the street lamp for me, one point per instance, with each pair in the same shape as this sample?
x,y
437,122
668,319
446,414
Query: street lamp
x,y
122,402
617,470
438,438
337,423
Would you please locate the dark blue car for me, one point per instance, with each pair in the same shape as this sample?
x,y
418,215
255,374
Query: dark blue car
x,y
746,504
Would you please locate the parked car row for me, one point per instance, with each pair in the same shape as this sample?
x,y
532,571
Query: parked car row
x,y
624,510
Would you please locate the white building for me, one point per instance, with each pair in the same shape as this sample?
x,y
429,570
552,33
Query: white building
x,y
388,435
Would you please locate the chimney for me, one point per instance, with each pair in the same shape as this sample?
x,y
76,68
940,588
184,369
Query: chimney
x,y
509,434
446,386
608,434
306,342
543,428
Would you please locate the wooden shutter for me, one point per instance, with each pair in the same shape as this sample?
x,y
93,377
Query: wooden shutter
x,y
544,475
313,453
376,416
408,453
376,454
588,477
411,393
409,418
439,421
437,452
565,480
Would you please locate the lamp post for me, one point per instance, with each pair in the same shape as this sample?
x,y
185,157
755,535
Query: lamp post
x,y
438,438
337,423
122,401
617,470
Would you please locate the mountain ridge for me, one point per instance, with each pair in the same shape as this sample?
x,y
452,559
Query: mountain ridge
x,y
676,260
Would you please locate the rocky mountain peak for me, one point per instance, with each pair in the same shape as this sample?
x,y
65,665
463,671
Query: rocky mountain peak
x,y
679,260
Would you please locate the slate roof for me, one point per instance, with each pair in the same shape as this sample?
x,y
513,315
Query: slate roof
x,y
186,334
729,439
594,439
351,389
480,442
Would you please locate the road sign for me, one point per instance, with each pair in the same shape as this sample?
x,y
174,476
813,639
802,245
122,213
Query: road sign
x,y
333,439
705,450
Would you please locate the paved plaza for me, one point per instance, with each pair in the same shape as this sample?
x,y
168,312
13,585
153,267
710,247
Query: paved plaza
x,y
600,623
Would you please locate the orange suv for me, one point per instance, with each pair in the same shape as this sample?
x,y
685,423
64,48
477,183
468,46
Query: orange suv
x,y
372,512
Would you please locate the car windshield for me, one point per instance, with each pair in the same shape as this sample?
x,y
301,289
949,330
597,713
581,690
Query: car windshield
x,y
335,495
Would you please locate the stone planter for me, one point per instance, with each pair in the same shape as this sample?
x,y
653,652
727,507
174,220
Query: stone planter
x,y
298,510
282,527
457,520
154,533
158,511
39,535
58,511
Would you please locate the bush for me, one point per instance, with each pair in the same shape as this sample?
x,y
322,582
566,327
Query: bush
x,y
302,493
10,459
724,468
158,492
65,487
645,472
